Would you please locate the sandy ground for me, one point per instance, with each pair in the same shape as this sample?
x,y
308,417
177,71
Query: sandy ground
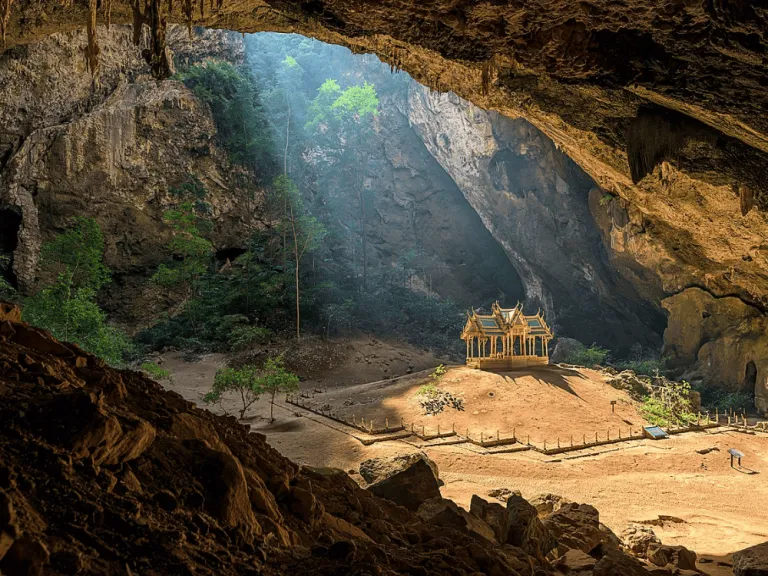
x,y
542,404
716,509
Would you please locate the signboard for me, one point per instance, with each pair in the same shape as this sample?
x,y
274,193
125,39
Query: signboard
x,y
655,432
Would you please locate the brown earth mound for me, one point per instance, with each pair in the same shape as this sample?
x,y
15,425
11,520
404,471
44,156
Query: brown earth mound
x,y
104,472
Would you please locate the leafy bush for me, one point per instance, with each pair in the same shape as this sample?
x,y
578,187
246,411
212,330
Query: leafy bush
x,y
718,398
155,371
583,356
243,336
669,405
66,306
438,374
428,390
277,379
647,367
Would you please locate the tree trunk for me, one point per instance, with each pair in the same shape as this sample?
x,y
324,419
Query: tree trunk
x,y
272,408
287,133
363,236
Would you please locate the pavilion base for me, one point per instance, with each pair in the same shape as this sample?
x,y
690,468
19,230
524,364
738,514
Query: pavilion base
x,y
507,363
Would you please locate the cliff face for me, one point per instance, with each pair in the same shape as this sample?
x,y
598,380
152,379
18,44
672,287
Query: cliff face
x,y
111,152
536,203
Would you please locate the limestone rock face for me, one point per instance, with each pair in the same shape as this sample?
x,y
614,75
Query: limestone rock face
x,y
113,154
535,202
719,339
409,487
375,469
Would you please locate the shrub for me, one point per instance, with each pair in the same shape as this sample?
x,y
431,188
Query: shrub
x,y
438,373
155,371
277,379
428,390
669,405
647,367
243,336
717,398
583,356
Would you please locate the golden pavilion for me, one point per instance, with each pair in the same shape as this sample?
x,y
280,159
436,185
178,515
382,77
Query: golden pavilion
x,y
506,338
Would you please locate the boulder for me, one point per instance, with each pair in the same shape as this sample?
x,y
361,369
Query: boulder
x,y
575,526
679,556
545,504
638,538
443,512
493,514
564,348
525,530
618,563
752,561
575,562
377,469
409,487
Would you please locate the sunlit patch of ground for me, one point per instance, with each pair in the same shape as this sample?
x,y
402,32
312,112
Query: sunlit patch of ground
x,y
722,509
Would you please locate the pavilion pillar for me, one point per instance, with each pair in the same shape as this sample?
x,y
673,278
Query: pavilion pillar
x,y
467,349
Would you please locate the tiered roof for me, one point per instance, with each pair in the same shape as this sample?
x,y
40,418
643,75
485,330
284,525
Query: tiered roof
x,y
501,320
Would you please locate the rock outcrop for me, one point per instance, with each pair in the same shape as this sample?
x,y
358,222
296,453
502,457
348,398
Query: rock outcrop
x,y
752,561
102,471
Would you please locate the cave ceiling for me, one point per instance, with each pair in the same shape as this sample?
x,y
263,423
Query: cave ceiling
x,y
662,103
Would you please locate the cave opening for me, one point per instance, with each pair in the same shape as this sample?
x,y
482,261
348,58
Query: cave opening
x,y
10,223
750,379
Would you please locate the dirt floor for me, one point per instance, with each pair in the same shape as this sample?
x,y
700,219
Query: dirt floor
x,y
711,507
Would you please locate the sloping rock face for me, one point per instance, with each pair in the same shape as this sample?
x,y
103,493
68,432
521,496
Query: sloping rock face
x,y
719,339
102,469
535,202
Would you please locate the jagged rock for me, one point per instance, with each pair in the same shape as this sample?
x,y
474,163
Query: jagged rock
x,y
617,563
545,504
679,556
502,494
525,530
410,487
443,512
637,538
575,562
376,469
752,561
26,557
575,526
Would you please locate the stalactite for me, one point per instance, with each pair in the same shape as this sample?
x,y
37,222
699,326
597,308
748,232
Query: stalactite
x,y
5,16
108,12
186,8
138,22
159,57
170,7
92,49
202,9
486,75
654,136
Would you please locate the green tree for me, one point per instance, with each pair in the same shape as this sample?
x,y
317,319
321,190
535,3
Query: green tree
x,y
66,305
192,251
276,379
245,382
235,102
304,231
343,120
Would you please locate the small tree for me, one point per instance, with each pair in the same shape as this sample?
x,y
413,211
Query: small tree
x,y
244,381
304,232
277,379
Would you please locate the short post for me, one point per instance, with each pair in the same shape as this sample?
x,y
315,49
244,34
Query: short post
x,y
497,435
558,441
402,424
438,429
619,433
529,440
571,440
411,427
371,426
584,439
608,434
613,406
467,432
453,427
386,423
423,435
717,415
545,445
481,438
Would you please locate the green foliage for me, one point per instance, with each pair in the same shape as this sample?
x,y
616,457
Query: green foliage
x,y
669,405
235,102
7,291
242,337
360,101
66,306
438,374
276,379
718,398
583,356
429,390
245,382
155,371
647,366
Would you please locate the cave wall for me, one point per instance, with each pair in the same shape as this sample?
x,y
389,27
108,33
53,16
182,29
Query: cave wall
x,y
536,203
110,148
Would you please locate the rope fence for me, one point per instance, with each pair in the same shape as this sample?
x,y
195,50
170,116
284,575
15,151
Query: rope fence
x,y
400,430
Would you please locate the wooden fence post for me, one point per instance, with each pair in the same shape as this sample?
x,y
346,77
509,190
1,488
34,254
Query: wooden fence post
x,y
571,440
